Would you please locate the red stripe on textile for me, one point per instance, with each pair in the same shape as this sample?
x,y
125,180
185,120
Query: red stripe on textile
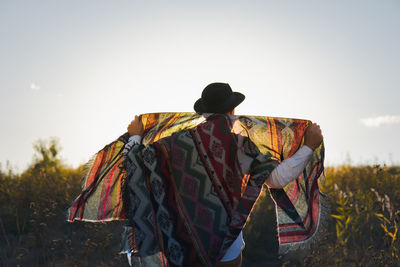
x,y
108,189
111,153
162,259
279,141
306,232
74,208
93,176
105,170
294,236
310,201
294,191
117,211
315,202
269,127
119,177
299,131
295,225
95,168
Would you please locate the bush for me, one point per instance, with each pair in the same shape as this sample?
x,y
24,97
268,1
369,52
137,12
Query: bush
x,y
33,223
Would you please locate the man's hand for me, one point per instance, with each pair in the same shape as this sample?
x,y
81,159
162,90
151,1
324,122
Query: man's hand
x,y
313,136
136,127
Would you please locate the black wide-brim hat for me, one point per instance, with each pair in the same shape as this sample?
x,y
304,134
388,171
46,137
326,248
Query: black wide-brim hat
x,y
218,98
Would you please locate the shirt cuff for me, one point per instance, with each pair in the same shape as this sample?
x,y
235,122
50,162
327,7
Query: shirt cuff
x,y
306,150
135,139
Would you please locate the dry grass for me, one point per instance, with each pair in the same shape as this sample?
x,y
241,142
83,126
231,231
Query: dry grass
x,y
363,228
363,231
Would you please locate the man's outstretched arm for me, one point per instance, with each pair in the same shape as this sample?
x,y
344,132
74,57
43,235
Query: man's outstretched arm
x,y
287,171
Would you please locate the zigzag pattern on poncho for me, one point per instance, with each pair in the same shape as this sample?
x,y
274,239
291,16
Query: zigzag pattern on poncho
x,y
209,207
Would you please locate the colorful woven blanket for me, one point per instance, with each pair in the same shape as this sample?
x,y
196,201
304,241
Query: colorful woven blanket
x,y
185,193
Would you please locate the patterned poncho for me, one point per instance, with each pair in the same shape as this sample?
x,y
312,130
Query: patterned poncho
x,y
188,191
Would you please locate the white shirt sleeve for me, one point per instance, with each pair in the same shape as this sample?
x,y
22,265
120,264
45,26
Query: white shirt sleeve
x,y
289,169
133,140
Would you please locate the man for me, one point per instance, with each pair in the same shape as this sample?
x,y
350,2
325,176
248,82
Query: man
x,y
217,104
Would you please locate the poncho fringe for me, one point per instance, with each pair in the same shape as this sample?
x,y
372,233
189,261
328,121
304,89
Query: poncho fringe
x,y
300,207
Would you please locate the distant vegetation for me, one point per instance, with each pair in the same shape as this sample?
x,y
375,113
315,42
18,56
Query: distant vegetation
x,y
363,229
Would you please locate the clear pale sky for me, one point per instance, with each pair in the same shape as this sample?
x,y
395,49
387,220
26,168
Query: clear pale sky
x,y
81,70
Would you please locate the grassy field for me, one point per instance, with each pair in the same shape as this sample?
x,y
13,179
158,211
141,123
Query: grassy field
x,y
363,228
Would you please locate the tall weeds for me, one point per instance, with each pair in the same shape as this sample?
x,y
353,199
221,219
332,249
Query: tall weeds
x,y
363,229
365,217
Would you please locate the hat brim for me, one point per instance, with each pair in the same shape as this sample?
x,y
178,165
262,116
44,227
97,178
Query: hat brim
x,y
233,101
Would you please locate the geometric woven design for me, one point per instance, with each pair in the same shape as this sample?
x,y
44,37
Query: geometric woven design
x,y
188,191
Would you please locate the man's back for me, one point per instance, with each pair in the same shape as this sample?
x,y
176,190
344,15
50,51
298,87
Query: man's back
x,y
201,182
188,196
